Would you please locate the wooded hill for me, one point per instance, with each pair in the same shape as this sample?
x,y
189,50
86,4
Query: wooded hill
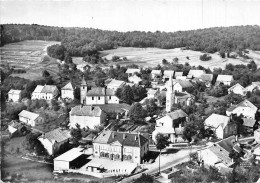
x,y
78,41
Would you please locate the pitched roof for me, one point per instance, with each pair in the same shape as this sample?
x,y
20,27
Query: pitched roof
x,y
86,111
178,74
135,77
168,73
14,92
196,73
96,91
223,78
124,138
249,122
257,83
236,85
57,135
206,77
28,115
216,120
38,89
156,72
177,114
49,89
110,92
131,71
115,83
67,87
152,91
118,108
244,103
183,83
183,95
70,154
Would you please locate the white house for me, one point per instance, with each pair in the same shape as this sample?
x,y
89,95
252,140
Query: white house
x,y
178,74
217,154
100,96
30,118
156,74
131,72
87,116
53,140
82,67
253,86
237,89
67,92
47,92
167,74
172,125
14,95
152,93
207,79
196,73
225,79
135,79
115,84
257,135
246,108
221,125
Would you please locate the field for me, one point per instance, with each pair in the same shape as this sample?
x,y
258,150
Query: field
x,y
150,57
28,55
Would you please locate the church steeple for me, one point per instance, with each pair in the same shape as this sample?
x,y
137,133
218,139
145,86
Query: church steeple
x,y
169,95
83,91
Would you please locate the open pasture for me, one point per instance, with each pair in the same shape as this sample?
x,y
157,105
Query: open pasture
x,y
150,57
28,55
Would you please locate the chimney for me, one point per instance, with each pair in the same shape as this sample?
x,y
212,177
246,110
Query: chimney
x,y
124,136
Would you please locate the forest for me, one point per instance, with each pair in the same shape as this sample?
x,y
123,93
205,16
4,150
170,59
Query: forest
x,y
82,41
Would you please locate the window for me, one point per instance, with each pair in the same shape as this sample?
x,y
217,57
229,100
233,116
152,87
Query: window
x,y
92,98
98,98
109,97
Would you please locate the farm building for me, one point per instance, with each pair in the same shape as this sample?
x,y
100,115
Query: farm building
x,y
156,74
72,159
30,118
53,140
245,108
14,95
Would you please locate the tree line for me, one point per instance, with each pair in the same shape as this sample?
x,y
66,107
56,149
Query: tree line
x,y
86,41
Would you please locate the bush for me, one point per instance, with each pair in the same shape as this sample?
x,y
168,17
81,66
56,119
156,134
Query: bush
x,y
205,57
115,58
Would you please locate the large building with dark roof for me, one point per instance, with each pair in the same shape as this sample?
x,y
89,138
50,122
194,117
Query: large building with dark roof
x,y
121,146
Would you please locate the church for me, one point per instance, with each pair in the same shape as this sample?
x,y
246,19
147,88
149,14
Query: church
x,y
97,95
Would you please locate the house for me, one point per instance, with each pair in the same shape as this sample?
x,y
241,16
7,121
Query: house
x,y
131,72
53,140
225,79
15,128
72,159
180,85
155,74
121,109
207,79
178,74
14,95
248,124
82,67
245,108
172,125
87,116
196,73
152,93
115,84
135,79
183,98
257,135
221,125
30,118
254,86
47,92
167,74
256,152
237,89
217,154
121,146
67,92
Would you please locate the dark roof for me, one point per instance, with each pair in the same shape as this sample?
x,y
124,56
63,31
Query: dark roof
x,y
206,77
96,91
110,92
49,89
57,135
124,138
118,108
177,114
86,111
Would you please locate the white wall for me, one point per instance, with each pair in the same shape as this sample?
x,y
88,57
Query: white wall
x,y
47,145
177,87
84,121
165,121
14,97
237,90
208,156
112,100
67,94
95,100
61,165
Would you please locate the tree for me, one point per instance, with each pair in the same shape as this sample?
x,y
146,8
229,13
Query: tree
x,y
145,178
137,112
76,134
165,62
175,60
222,54
151,107
56,51
161,143
126,94
115,58
68,58
45,74
205,57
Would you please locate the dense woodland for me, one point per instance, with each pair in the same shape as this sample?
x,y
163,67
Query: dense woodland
x,y
82,41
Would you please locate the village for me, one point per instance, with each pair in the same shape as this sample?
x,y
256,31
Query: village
x,y
126,122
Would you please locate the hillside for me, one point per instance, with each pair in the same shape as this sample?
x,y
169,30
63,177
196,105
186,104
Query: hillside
x,y
78,40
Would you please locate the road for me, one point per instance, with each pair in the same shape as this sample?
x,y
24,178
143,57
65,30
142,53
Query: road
x,y
166,162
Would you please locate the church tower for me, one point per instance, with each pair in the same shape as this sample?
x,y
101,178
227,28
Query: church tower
x,y
83,91
169,95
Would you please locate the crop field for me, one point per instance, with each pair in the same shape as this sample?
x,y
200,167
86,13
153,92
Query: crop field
x,y
150,57
28,55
